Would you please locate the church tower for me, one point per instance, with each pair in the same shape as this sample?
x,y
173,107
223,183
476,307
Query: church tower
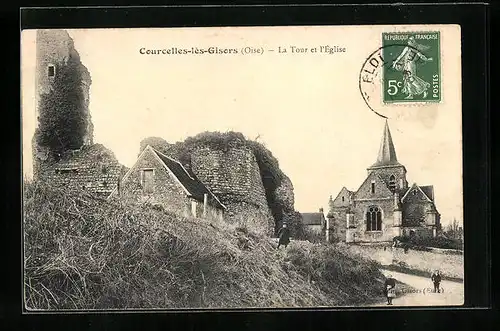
x,y
387,166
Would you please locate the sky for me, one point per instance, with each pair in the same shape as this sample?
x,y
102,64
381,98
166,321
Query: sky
x,y
306,108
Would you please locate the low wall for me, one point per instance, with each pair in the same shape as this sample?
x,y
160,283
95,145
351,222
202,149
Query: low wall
x,y
450,265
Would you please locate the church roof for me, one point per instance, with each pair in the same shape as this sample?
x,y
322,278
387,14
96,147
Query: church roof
x,y
427,190
387,152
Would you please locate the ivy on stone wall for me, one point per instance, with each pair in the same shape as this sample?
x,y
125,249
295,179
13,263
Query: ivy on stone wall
x,y
270,172
63,117
157,143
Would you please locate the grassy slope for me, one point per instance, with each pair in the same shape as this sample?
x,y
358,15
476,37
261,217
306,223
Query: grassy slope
x,y
83,253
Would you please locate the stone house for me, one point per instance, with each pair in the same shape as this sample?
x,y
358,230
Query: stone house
x,y
162,180
314,222
384,206
93,168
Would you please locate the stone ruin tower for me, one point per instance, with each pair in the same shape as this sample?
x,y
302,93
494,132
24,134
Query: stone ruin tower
x,y
53,50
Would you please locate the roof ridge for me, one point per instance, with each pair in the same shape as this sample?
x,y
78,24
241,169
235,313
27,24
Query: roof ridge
x,y
187,173
174,160
420,189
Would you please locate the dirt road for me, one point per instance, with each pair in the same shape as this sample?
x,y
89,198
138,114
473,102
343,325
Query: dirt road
x,y
452,293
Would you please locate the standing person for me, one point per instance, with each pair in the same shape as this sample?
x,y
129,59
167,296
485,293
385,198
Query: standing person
x,y
436,279
284,236
390,289
407,63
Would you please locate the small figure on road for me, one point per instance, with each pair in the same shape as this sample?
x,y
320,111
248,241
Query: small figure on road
x,y
390,289
436,279
284,236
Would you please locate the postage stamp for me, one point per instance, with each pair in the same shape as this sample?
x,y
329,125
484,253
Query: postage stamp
x,y
413,73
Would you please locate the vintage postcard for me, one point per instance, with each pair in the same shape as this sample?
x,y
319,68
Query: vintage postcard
x,y
242,167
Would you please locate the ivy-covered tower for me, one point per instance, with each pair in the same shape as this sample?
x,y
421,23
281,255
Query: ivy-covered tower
x,y
62,98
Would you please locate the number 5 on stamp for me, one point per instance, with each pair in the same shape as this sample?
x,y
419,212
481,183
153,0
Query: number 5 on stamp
x,y
412,73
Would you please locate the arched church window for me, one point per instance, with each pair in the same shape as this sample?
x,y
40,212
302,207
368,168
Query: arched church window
x,y
342,199
392,183
373,187
374,219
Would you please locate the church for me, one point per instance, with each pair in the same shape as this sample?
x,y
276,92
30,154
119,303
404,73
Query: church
x,y
384,206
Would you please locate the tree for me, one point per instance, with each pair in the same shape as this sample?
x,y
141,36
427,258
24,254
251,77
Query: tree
x,y
452,230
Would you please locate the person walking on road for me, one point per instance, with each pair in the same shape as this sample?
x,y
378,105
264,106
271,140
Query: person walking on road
x,y
390,289
436,279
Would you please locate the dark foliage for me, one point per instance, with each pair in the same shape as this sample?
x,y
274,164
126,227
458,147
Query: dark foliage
x,y
63,119
157,143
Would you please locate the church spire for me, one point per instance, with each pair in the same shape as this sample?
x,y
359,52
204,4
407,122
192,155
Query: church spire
x,y
386,153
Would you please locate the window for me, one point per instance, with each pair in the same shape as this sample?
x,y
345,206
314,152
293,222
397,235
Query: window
x,y
51,70
374,219
373,187
392,183
148,180
342,199
414,192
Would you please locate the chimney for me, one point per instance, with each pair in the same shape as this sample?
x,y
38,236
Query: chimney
x,y
321,210
205,199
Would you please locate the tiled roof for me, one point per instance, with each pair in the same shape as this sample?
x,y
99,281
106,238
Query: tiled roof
x,y
194,186
312,218
387,152
428,190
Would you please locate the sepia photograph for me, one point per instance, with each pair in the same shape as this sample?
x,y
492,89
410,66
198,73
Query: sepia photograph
x,y
242,167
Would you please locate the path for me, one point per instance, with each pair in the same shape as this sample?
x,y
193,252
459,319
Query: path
x,y
452,294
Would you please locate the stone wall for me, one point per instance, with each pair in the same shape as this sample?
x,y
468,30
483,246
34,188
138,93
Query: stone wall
x,y
414,208
385,173
338,223
359,227
232,174
234,177
93,168
451,265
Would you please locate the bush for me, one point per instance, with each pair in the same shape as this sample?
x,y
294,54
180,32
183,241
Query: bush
x,y
313,236
82,252
337,272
